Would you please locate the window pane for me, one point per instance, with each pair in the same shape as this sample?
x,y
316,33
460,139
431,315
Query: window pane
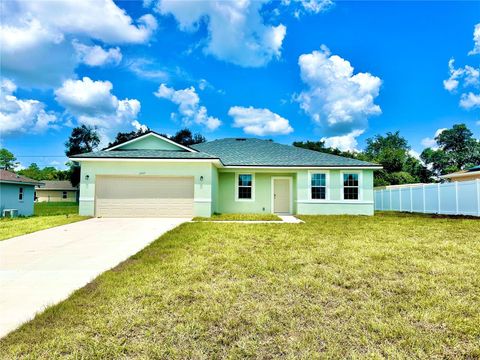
x,y
245,180
350,193
350,179
318,193
318,180
244,192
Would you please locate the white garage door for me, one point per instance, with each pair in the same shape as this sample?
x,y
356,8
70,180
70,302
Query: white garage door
x,y
143,196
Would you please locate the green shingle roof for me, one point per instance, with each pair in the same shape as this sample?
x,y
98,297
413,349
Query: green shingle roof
x,y
256,152
144,154
239,152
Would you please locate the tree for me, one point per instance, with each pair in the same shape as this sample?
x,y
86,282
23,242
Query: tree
x,y
82,139
125,136
391,151
47,173
457,150
399,166
185,137
8,161
320,146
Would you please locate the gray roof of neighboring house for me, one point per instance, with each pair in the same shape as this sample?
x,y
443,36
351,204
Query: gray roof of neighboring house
x,y
144,154
12,178
64,185
257,152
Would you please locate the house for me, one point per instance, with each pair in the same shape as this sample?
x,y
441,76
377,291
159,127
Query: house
x,y
56,191
16,193
463,175
154,176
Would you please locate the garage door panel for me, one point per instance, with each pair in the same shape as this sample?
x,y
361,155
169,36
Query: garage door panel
x,y
144,196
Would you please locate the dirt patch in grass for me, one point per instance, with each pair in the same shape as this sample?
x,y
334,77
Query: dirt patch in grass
x,y
334,287
239,217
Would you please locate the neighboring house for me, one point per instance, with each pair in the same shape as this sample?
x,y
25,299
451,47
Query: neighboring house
x,y
154,176
16,192
56,191
464,175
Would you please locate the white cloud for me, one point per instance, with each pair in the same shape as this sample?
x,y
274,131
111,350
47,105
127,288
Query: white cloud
x,y
476,40
428,142
308,6
22,115
336,98
95,55
346,142
92,103
236,30
260,122
139,126
188,106
414,154
431,142
147,69
468,74
450,84
470,100
36,36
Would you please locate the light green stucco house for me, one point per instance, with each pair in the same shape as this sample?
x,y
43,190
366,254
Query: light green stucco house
x,y
154,176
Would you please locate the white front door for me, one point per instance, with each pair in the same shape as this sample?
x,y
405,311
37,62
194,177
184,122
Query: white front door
x,y
281,195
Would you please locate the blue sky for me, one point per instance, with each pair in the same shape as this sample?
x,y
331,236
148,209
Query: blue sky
x,y
288,71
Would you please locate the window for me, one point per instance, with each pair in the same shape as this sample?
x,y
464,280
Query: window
x,y
20,194
245,185
318,186
64,195
350,186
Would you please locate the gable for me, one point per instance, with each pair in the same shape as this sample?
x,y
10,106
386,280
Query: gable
x,y
151,141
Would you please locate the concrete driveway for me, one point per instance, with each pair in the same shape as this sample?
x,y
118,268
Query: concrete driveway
x,y
45,267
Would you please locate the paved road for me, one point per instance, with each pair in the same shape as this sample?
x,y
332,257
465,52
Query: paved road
x,y
45,267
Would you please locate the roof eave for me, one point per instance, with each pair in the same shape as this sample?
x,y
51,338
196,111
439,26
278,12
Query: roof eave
x,y
33,183
151,133
332,167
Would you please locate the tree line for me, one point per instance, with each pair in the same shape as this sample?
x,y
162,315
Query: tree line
x,y
456,149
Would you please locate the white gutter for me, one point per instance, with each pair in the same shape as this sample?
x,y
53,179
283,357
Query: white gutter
x,y
306,167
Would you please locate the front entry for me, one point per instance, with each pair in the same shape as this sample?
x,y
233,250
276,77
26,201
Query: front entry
x,y
281,195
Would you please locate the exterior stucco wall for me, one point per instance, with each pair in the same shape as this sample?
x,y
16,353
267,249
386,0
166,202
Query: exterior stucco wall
x,y
55,196
302,203
9,198
334,204
262,202
150,142
215,204
202,189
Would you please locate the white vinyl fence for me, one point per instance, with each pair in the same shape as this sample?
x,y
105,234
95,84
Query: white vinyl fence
x,y
455,198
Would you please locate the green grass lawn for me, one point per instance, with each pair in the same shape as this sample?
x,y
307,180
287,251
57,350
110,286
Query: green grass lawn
x,y
239,217
21,226
335,287
55,208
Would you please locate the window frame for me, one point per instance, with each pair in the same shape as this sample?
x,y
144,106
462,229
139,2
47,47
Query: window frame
x,y
21,193
327,184
237,186
64,195
360,182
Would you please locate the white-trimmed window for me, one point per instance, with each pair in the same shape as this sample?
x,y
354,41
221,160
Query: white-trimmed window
x,y
318,186
351,189
245,183
20,194
64,194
